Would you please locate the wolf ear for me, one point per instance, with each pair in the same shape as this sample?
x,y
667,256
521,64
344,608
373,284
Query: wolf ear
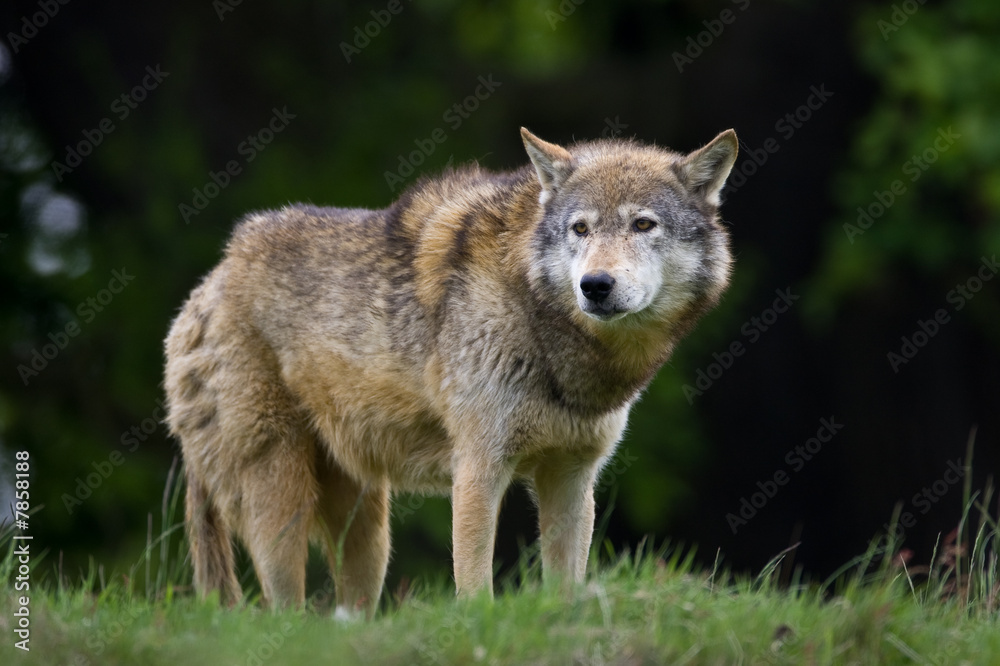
x,y
705,170
553,163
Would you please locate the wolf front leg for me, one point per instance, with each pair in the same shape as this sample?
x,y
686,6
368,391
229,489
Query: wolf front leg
x,y
477,488
564,485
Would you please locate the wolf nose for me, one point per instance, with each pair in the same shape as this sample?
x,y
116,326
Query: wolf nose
x,y
597,286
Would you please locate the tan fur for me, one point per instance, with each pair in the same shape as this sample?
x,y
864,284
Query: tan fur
x,y
445,344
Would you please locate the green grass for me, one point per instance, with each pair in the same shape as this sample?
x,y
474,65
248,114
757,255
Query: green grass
x,y
647,607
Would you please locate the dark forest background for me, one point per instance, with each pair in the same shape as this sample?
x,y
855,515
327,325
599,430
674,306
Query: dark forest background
x,y
867,192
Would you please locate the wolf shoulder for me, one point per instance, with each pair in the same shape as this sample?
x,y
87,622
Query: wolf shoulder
x,y
427,241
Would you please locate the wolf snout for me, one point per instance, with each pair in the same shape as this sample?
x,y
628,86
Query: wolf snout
x,y
597,286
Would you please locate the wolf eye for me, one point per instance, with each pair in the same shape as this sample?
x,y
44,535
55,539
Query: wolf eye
x,y
581,228
643,224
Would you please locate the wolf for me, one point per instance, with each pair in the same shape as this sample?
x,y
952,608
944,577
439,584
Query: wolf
x,y
485,328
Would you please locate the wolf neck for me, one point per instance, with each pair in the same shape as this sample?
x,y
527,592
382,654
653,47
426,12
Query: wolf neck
x,y
597,367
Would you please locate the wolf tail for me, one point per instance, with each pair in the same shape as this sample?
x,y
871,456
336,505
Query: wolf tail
x,y
211,545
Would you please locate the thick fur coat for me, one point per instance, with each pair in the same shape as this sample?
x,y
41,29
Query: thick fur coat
x,y
484,328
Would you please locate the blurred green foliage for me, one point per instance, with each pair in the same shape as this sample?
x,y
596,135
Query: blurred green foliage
x,y
937,74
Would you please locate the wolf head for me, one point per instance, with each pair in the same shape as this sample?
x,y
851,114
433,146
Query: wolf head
x,y
629,230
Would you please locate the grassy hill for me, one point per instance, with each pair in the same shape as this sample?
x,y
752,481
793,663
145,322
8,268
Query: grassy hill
x,y
636,608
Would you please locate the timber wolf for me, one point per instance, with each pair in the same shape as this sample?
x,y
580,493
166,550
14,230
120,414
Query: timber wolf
x,y
484,328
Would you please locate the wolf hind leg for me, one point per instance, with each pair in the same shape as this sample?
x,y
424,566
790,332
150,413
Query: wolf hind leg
x,y
211,545
354,520
278,505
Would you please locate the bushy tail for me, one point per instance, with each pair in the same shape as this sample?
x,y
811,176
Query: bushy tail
x,y
211,545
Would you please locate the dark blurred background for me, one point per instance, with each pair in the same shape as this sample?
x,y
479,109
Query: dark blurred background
x,y
864,212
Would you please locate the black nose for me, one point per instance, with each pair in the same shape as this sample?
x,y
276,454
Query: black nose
x,y
597,286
